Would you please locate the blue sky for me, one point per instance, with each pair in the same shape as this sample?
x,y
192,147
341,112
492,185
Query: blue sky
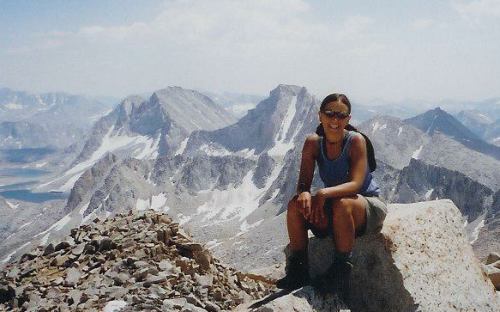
x,y
391,50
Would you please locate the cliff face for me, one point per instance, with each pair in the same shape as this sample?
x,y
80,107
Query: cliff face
x,y
420,181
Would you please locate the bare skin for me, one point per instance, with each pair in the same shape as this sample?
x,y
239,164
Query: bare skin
x,y
348,208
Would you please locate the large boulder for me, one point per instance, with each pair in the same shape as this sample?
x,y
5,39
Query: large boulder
x,y
421,261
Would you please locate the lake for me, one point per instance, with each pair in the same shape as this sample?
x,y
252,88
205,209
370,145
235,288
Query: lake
x,y
29,196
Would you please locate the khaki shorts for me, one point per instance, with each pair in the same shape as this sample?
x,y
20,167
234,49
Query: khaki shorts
x,y
376,210
375,215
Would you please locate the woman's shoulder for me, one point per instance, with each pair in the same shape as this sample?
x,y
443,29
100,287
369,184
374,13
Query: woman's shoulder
x,y
311,144
313,138
356,137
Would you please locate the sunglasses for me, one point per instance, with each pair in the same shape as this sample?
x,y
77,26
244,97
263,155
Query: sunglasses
x,y
333,114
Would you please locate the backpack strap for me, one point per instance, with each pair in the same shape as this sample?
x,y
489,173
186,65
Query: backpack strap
x,y
372,162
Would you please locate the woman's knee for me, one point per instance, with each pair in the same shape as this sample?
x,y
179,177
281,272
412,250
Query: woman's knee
x,y
342,206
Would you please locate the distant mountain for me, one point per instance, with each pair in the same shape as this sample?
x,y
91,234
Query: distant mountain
x,y
55,121
474,120
489,107
492,133
363,112
236,103
219,183
145,129
396,142
437,120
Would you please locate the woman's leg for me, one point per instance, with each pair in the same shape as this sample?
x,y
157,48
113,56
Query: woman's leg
x,y
349,215
296,225
297,272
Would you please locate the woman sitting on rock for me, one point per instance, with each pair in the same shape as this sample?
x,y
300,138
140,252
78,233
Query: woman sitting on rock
x,y
348,205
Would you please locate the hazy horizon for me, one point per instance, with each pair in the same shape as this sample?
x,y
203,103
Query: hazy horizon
x,y
395,52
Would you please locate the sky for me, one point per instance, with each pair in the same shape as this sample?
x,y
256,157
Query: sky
x,y
371,50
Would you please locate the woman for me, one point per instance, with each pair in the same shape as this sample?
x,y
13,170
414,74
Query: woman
x,y
348,205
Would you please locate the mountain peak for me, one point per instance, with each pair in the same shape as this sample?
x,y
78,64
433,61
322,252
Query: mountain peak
x,y
286,89
438,120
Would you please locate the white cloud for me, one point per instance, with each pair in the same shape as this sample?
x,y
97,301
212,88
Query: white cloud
x,y
422,23
477,9
353,27
249,46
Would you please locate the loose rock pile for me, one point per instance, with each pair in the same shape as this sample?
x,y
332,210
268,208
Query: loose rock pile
x,y
492,269
136,262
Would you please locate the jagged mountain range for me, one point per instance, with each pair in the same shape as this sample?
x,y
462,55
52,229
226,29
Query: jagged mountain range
x,y
51,119
484,126
437,120
145,129
229,185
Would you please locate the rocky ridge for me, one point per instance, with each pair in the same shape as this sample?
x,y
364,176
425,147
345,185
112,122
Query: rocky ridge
x,y
138,261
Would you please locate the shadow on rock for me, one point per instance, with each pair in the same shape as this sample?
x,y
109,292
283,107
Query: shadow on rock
x,y
376,283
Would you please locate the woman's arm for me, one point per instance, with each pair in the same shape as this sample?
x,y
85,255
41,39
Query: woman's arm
x,y
357,173
309,154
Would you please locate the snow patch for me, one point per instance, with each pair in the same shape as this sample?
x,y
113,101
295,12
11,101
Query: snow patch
x,y
428,194
247,153
275,193
13,106
280,148
475,232
6,259
245,227
375,127
142,204
61,223
11,205
238,201
150,152
417,152
383,127
400,130
114,306
182,147
109,143
44,239
85,206
39,165
212,244
213,151
25,225
183,219
159,201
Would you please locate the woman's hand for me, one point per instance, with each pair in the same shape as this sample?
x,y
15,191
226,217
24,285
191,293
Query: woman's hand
x,y
304,201
318,217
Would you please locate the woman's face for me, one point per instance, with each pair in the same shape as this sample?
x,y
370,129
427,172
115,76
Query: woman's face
x,y
334,117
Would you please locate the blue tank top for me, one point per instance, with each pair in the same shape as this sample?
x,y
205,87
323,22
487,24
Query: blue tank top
x,y
335,172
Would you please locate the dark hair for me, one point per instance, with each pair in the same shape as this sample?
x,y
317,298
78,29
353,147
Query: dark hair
x,y
334,97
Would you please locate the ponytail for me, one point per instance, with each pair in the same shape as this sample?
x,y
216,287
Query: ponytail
x,y
320,130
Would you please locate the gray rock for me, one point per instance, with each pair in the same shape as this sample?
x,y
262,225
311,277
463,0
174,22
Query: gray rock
x,y
493,257
72,277
78,249
62,245
7,293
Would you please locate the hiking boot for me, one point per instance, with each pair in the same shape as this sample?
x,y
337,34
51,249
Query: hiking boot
x,y
335,280
297,272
